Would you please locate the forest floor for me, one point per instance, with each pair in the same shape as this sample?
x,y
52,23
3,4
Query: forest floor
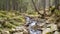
x,y
11,19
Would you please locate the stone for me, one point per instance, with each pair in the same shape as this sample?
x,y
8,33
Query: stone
x,y
49,28
18,33
53,27
58,24
25,32
5,32
0,32
48,12
50,20
42,12
20,30
56,32
41,22
46,30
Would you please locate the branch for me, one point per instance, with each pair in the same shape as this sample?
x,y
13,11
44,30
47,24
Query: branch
x,y
37,9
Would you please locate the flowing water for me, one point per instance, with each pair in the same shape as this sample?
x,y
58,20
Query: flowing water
x,y
31,23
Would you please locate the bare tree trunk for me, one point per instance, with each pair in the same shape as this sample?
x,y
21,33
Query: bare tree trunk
x,y
13,4
44,4
57,4
35,7
7,4
1,5
43,15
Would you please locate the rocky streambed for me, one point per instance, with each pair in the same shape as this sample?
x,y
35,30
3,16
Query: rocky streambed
x,y
32,26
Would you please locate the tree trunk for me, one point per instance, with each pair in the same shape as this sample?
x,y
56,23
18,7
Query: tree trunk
x,y
57,4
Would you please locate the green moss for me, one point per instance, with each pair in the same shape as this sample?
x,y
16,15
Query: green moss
x,y
31,13
57,12
10,19
49,33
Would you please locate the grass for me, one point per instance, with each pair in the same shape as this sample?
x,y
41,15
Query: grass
x,y
11,19
57,12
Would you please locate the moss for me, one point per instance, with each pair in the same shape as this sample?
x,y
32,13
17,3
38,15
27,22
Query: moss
x,y
49,33
57,12
31,13
10,19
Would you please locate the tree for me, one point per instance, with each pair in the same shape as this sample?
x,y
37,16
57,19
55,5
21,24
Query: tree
x,y
57,4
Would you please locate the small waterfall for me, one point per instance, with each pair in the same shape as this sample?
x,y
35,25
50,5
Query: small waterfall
x,y
31,23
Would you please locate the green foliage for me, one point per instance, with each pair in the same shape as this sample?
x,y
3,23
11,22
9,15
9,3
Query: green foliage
x,y
57,12
8,25
10,19
49,33
31,12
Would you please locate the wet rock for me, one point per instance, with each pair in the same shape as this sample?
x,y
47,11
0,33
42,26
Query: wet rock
x,y
49,28
56,32
41,22
5,32
47,25
46,30
53,27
